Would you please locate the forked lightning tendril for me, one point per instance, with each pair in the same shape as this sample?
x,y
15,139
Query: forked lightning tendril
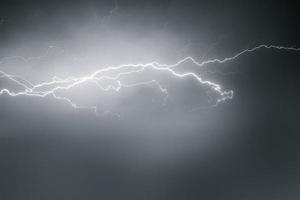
x,y
115,74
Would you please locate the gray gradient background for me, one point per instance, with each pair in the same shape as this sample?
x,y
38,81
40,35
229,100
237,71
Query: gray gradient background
x,y
244,149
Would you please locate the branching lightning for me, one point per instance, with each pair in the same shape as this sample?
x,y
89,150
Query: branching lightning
x,y
110,79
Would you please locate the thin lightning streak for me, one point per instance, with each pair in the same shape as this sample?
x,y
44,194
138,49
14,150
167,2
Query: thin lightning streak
x,y
220,61
58,84
28,59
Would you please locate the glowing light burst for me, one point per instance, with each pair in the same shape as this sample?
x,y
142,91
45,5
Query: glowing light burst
x,y
112,76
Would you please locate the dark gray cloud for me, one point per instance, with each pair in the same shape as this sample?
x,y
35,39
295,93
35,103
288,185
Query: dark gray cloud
x,y
245,148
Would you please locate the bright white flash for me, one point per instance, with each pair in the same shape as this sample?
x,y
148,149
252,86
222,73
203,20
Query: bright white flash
x,y
110,79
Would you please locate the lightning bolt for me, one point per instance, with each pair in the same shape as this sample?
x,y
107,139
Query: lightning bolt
x,y
111,79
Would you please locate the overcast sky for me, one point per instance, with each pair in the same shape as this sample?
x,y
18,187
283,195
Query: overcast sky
x,y
140,145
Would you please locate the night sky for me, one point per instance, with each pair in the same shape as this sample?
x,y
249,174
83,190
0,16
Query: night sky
x,y
141,142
